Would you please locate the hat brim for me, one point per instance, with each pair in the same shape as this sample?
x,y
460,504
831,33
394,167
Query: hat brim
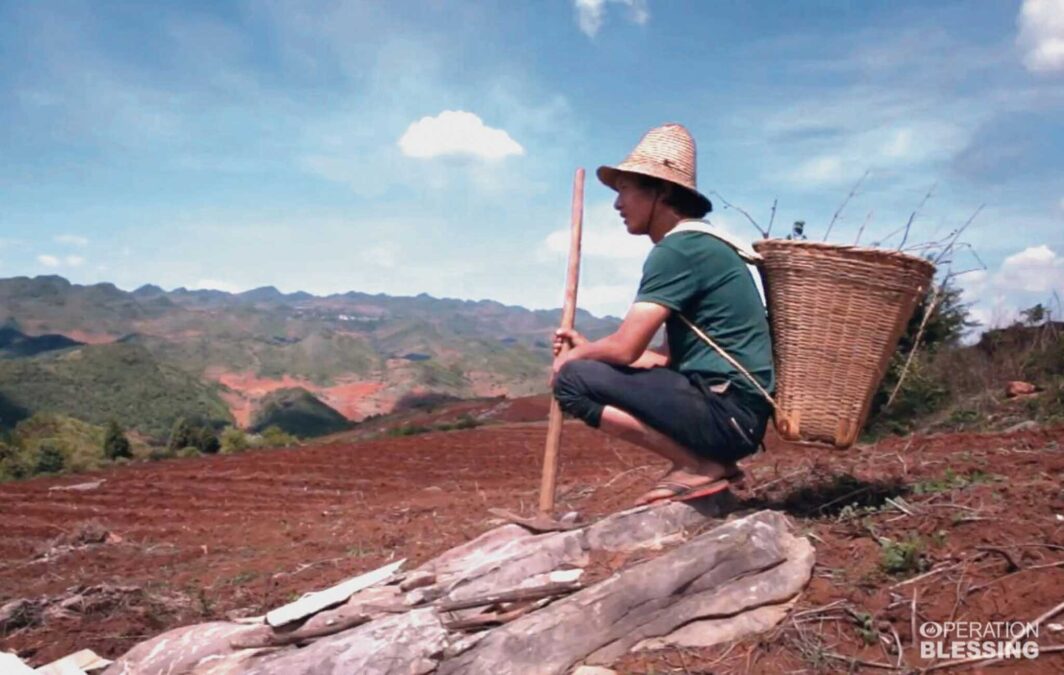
x,y
608,176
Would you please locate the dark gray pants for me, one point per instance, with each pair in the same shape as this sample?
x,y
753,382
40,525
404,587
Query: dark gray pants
x,y
719,427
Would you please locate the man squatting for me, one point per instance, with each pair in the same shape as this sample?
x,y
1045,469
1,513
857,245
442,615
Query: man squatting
x,y
683,401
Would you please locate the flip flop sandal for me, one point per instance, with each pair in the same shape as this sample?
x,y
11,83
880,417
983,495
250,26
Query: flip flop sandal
x,y
737,478
683,493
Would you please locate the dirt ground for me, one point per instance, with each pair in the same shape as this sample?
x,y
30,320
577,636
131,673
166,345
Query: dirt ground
x,y
981,517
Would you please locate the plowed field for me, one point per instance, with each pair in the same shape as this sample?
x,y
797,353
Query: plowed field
x,y
236,535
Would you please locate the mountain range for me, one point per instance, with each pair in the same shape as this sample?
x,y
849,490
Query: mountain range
x,y
148,356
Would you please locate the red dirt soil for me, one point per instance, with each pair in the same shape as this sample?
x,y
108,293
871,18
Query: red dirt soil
x,y
238,535
348,397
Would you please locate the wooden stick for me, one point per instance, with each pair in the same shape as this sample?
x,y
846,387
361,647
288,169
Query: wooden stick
x,y
300,635
548,486
513,595
490,619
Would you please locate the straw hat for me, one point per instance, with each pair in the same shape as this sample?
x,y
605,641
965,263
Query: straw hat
x,y
666,152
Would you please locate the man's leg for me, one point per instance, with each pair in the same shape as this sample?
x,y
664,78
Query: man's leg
x,y
687,467
629,403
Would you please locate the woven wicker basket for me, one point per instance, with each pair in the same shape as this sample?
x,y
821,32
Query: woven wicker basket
x,y
836,313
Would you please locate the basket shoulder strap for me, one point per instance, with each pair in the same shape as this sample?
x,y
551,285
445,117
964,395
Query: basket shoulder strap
x,y
748,254
728,357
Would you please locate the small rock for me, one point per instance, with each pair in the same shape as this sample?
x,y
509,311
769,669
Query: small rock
x,y
13,665
570,518
433,488
593,670
417,580
1019,388
1029,425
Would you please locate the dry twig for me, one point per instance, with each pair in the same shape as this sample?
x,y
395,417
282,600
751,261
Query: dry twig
x,y
846,201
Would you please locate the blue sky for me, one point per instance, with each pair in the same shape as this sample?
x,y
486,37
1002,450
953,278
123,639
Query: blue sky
x,y
403,147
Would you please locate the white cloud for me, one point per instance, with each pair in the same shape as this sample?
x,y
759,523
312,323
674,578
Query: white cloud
x,y
1035,269
1041,35
215,285
900,144
590,14
1022,279
385,255
56,261
603,236
71,240
818,171
611,297
456,132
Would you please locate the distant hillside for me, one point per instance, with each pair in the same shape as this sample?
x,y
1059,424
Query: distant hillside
x,y
14,343
298,412
96,383
359,353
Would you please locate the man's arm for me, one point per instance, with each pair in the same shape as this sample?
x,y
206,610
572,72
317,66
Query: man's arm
x,y
653,357
629,343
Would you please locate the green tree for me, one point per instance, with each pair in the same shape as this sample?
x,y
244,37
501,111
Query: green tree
x,y
180,435
920,393
115,443
1034,316
234,440
275,437
205,439
50,458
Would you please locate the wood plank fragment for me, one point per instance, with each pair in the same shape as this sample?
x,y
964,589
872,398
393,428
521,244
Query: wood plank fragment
x,y
298,636
315,602
512,595
82,661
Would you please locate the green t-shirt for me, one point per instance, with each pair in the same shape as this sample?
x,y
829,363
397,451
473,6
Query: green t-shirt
x,y
703,278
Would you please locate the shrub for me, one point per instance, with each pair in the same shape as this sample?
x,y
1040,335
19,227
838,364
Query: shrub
x,y
115,443
180,435
902,557
206,440
234,440
409,430
157,453
275,437
50,458
189,451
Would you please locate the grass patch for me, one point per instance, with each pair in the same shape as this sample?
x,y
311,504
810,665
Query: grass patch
x,y
902,558
953,481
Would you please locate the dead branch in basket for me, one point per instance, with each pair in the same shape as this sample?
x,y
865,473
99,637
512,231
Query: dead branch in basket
x,y
729,205
912,216
513,595
838,211
867,220
953,237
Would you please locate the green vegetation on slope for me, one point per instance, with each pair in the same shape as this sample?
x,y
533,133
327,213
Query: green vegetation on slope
x,y
298,412
47,443
950,386
98,383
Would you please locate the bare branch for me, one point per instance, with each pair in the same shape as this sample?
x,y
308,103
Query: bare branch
x,y
846,201
867,219
957,233
912,216
772,218
916,342
727,204
893,232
